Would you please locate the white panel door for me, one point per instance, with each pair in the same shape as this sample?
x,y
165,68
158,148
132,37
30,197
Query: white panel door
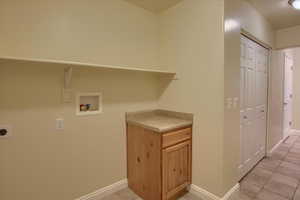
x,y
253,95
288,94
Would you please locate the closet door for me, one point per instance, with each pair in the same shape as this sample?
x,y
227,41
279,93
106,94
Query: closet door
x,y
262,56
253,95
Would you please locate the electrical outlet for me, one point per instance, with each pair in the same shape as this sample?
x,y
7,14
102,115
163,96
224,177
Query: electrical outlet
x,y
59,124
5,131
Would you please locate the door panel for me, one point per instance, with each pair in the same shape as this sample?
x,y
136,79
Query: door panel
x,y
261,130
176,168
261,88
253,109
242,89
288,94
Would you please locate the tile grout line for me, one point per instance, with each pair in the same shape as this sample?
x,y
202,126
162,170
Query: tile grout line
x,y
275,171
283,160
297,179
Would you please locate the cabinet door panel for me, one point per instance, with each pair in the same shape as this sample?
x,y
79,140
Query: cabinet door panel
x,y
176,169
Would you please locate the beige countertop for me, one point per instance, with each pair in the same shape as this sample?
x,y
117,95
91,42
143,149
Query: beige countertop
x,y
160,120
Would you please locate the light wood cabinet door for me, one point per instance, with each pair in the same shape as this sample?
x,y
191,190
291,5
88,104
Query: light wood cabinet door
x,y
176,169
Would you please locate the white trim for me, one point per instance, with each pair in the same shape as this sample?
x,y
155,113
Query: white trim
x,y
105,191
205,195
231,192
202,193
295,132
276,146
74,63
292,132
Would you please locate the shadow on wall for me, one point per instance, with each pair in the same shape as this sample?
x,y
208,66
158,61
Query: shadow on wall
x,y
165,82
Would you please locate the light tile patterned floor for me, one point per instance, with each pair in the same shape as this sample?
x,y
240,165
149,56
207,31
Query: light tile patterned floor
x,y
127,194
274,178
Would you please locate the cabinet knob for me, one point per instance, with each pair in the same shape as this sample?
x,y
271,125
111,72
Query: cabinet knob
x,y
138,159
245,117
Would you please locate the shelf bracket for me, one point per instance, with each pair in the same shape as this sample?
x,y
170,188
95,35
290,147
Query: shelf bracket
x,y
67,90
175,77
68,77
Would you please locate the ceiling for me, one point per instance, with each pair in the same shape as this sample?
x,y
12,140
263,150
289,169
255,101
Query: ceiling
x,y
279,13
155,5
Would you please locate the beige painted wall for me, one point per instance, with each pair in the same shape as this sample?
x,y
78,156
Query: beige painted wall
x,y
296,89
192,44
39,162
194,48
287,38
239,14
112,32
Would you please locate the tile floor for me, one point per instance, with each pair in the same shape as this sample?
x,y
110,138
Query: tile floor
x,y
274,178
127,194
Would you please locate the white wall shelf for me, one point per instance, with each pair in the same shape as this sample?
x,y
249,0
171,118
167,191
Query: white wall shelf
x,y
72,63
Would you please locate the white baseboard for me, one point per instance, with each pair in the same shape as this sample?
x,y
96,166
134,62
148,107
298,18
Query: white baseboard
x,y
231,192
295,132
276,146
105,191
205,195
292,132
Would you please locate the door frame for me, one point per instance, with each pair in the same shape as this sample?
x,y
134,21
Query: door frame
x,y
248,35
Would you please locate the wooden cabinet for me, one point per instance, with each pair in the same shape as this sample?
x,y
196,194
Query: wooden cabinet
x,y
158,164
